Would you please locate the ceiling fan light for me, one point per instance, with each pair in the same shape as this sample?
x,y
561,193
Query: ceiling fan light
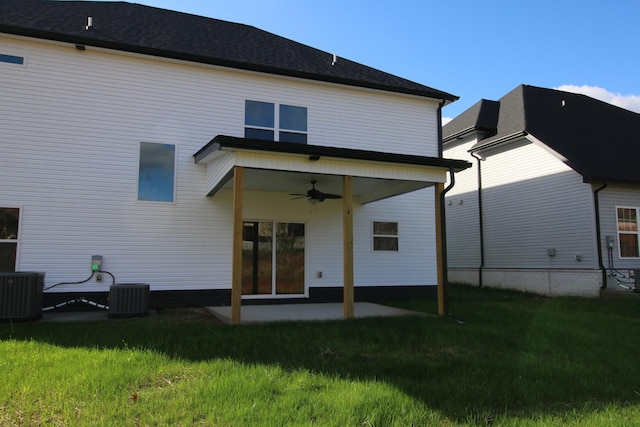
x,y
313,201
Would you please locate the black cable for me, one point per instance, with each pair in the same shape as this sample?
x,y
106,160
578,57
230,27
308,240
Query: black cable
x,y
113,279
621,279
81,299
72,283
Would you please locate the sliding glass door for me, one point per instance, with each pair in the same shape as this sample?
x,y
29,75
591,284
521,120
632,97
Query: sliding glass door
x,y
273,258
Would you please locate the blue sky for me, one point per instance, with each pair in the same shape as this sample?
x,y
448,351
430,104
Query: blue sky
x,y
471,48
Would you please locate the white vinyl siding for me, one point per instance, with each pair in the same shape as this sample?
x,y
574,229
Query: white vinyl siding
x,y
532,202
73,169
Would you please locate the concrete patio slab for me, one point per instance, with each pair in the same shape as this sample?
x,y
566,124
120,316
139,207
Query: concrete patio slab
x,y
306,312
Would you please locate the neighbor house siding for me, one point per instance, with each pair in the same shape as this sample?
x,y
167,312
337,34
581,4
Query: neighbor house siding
x,y
461,210
71,123
609,199
533,202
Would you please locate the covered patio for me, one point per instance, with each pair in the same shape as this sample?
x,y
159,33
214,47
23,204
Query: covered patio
x,y
357,176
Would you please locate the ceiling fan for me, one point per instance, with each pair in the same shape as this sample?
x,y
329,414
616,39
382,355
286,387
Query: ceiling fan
x,y
314,196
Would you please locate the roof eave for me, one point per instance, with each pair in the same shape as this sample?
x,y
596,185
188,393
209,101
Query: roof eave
x,y
498,141
221,142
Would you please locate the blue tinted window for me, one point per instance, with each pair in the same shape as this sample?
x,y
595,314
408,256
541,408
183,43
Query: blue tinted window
x,y
298,138
157,172
259,114
293,118
258,134
12,59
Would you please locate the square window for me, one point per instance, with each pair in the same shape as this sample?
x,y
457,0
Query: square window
x,y
293,118
385,236
259,114
286,123
156,173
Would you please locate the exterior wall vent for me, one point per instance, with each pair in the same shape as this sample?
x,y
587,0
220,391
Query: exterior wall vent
x,y
129,300
21,296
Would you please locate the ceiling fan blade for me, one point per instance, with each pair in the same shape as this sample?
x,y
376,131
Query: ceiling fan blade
x,y
332,196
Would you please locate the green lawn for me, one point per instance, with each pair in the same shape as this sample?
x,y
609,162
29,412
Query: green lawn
x,y
516,360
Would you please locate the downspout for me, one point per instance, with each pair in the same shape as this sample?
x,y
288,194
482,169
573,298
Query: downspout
x,y
445,274
596,203
443,225
440,105
480,219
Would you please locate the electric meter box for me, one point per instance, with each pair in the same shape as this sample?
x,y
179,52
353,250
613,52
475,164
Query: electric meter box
x,y
96,262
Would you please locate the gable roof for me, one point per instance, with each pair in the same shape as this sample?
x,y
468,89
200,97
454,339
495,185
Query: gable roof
x,y
598,140
148,30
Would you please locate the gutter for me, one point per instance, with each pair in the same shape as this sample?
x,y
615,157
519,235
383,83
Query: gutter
x,y
440,141
480,218
596,203
500,140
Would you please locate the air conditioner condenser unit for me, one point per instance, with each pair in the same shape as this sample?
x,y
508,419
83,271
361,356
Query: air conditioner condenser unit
x,y
129,300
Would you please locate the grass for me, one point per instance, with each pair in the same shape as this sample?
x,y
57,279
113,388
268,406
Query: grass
x,y
517,360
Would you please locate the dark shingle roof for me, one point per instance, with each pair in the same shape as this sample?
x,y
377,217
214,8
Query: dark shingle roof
x,y
598,140
481,117
149,30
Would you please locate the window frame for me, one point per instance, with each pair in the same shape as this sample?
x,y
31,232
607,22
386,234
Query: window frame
x,y
379,235
175,174
5,59
15,241
620,232
278,131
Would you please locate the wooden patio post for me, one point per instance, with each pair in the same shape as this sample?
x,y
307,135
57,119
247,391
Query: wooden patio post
x,y
442,295
347,238
236,266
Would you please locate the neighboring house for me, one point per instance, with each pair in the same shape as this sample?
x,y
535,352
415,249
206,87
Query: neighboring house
x,y
183,151
552,202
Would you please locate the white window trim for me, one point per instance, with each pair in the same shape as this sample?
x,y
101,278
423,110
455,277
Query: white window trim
x,y
273,295
373,236
17,240
175,175
276,120
637,233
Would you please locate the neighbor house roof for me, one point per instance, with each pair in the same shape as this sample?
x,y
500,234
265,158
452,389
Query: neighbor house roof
x,y
598,140
148,30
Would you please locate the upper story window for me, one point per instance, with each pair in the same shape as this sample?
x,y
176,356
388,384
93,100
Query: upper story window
x,y
156,172
275,122
627,220
12,59
8,238
385,236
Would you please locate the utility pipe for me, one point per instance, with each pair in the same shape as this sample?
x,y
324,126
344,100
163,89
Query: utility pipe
x,y
480,218
443,231
596,203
